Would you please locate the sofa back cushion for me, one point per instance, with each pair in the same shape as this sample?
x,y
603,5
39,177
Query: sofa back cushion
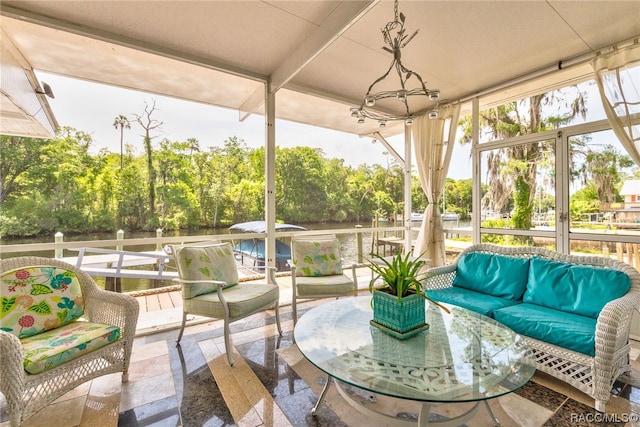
x,y
574,288
497,275
37,299
205,262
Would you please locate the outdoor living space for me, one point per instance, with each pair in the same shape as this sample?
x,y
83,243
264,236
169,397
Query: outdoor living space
x,y
272,384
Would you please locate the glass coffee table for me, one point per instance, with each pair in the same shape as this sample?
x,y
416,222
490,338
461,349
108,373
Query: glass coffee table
x,y
462,357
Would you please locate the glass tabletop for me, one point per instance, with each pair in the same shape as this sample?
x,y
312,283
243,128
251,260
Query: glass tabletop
x,y
461,357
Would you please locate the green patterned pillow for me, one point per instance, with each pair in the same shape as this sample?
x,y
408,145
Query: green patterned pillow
x,y
37,299
213,262
317,257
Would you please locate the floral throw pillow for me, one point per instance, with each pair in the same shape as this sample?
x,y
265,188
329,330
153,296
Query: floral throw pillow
x,y
37,299
213,262
317,257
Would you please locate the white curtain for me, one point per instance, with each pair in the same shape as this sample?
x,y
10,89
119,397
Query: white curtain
x,y
618,76
433,144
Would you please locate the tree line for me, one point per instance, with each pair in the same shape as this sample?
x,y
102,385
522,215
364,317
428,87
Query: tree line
x,y
49,185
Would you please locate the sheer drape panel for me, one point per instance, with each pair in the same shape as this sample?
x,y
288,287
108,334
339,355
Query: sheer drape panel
x,y
618,76
433,144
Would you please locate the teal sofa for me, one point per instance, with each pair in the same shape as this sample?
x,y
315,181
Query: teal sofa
x,y
574,311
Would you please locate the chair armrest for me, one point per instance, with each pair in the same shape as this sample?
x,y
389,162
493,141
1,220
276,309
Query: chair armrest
x,y
613,325
12,374
440,277
112,308
272,274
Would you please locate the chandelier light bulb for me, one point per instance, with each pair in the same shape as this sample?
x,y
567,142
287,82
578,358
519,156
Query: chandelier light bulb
x,y
383,123
434,95
354,112
401,95
433,114
409,121
370,101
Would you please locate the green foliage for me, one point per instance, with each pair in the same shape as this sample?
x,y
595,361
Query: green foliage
x,y
401,276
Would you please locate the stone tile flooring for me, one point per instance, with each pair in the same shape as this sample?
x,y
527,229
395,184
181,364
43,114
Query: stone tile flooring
x,y
271,384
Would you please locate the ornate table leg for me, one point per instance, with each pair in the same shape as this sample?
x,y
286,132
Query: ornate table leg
x,y
496,423
323,393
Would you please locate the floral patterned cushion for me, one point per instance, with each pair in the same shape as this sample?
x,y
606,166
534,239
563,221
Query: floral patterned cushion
x,y
317,257
38,299
213,262
55,347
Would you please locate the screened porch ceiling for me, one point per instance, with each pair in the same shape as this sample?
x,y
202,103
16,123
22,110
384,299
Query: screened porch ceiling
x,y
320,56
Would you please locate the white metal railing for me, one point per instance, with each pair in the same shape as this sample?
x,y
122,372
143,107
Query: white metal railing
x,y
159,241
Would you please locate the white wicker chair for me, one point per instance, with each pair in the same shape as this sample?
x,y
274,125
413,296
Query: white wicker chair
x,y
592,375
27,393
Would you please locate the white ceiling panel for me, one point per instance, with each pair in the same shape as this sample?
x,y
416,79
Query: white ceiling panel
x,y
220,52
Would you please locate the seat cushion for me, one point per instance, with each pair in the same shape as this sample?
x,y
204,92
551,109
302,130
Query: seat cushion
x,y
471,300
210,262
57,346
242,300
314,258
497,275
563,329
37,299
574,288
323,286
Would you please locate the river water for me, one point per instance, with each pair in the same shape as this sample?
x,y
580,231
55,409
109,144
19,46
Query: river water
x,y
348,244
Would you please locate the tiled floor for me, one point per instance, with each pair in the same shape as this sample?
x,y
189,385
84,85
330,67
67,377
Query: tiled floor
x,y
271,384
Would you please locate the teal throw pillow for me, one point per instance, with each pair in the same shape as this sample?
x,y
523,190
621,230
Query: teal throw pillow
x,y
497,275
574,288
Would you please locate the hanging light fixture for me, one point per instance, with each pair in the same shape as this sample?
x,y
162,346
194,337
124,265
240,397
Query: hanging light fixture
x,y
394,45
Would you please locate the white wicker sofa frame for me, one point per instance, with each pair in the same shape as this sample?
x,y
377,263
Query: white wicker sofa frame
x,y
27,393
592,375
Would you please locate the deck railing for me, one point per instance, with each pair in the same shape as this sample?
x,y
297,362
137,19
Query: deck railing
x,y
57,248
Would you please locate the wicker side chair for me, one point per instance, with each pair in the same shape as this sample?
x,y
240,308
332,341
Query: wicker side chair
x,y
317,270
42,300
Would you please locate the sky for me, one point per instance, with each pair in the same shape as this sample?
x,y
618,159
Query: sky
x,y
92,108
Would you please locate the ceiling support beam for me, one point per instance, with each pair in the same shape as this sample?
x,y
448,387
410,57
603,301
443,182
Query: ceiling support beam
x,y
340,20
390,149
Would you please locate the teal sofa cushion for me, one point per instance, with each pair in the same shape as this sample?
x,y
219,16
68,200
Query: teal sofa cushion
x,y
563,329
577,289
497,275
471,300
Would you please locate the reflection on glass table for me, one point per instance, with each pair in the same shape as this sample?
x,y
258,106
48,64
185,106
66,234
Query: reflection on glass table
x,y
462,357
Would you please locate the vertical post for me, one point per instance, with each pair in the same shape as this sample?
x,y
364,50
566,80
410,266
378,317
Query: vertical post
x,y
59,238
476,214
408,241
119,236
359,244
159,236
270,178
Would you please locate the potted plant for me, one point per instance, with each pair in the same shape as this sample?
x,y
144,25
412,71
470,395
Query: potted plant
x,y
399,302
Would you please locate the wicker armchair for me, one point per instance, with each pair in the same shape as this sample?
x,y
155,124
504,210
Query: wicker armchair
x,y
79,306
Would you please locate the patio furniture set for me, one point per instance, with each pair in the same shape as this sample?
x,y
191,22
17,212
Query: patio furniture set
x,y
58,329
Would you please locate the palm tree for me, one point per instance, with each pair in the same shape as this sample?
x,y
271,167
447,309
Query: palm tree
x,y
121,122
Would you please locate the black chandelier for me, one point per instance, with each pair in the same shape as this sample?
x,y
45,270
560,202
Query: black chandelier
x,y
394,46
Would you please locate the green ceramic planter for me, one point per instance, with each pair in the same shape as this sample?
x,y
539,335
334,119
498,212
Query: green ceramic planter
x,y
401,320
